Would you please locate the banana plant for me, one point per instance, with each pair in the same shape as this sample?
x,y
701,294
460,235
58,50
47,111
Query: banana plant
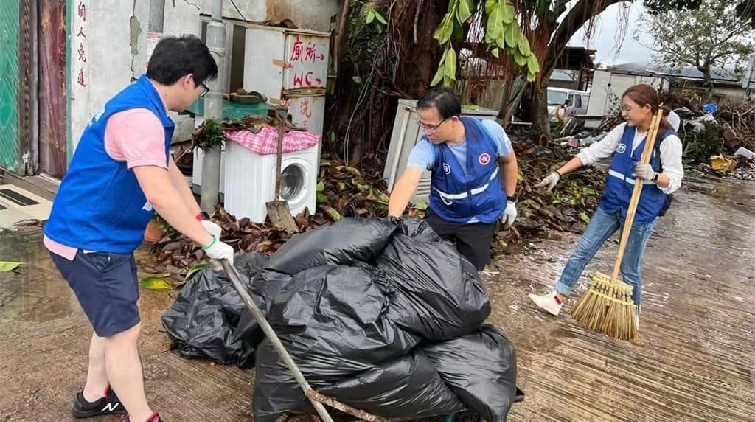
x,y
502,33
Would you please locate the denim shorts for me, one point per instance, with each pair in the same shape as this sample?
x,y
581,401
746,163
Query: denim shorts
x,y
107,287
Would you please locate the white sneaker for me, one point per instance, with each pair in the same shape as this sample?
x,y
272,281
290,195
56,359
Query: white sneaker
x,y
637,317
550,303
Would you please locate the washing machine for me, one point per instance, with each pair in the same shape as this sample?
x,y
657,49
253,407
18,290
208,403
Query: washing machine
x,y
250,181
196,170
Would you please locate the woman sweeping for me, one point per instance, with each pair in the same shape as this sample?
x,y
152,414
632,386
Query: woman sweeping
x,y
661,177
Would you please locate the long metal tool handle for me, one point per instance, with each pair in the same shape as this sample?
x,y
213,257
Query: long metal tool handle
x,y
268,330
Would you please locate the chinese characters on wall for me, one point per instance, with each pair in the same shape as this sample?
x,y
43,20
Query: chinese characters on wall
x,y
80,44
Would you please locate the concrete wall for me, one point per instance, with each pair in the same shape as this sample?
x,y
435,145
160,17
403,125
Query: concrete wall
x,y
101,58
734,94
111,25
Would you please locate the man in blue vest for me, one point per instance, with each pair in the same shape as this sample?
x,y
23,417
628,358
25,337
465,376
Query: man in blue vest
x,y
474,175
121,173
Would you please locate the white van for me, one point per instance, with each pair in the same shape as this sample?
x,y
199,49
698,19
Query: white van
x,y
564,103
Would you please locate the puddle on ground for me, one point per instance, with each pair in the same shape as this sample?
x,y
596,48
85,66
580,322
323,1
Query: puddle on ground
x,y
34,291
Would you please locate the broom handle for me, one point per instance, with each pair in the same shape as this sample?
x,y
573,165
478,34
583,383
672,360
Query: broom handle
x,y
638,183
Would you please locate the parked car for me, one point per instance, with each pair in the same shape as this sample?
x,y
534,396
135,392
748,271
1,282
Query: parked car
x,y
564,103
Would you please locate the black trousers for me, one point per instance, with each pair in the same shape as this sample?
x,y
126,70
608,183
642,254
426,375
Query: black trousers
x,y
473,240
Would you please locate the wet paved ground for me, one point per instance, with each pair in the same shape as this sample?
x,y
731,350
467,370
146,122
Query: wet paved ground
x,y
695,361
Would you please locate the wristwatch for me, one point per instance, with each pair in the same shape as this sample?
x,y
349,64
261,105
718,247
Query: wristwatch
x,y
511,198
655,177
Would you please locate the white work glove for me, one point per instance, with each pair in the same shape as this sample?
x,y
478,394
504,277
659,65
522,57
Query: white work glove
x,y
211,228
644,171
509,214
549,182
218,250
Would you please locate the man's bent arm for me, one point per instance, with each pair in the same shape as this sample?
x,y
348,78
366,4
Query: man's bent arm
x,y
179,182
403,191
167,201
510,173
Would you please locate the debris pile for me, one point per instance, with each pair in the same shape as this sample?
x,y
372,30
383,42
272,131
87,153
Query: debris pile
x,y
571,204
342,192
719,138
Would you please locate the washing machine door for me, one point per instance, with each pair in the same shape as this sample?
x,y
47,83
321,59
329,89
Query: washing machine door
x,y
293,180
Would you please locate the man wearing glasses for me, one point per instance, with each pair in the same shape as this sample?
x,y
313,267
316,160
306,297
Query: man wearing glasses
x,y
474,175
121,173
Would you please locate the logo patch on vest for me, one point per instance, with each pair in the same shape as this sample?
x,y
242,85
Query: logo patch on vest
x,y
621,148
484,158
97,116
446,168
147,207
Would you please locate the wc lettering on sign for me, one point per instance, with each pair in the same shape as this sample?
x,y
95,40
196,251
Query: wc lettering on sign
x,y
307,62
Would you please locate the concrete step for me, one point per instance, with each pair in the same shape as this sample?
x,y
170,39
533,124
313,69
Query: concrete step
x,y
18,205
41,185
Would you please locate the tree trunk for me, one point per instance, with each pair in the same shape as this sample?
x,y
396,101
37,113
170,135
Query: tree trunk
x,y
402,68
535,107
575,19
707,80
520,86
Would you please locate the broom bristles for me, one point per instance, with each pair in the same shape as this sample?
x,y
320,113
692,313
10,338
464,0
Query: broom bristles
x,y
607,308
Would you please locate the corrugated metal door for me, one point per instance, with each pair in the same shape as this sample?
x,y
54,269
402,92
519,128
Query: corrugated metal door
x,y
9,23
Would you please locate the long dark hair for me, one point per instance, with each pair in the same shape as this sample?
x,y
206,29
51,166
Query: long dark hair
x,y
643,95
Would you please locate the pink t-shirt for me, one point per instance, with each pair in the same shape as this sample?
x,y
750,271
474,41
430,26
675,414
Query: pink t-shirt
x,y
134,136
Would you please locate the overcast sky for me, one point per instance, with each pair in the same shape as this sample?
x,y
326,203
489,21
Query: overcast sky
x,y
604,39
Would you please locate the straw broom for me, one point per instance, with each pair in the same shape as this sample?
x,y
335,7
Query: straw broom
x,y
607,306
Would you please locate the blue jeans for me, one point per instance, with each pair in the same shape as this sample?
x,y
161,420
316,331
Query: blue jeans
x,y
601,227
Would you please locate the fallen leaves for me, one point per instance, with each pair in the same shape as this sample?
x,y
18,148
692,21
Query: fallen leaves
x,y
342,192
567,209
6,266
155,283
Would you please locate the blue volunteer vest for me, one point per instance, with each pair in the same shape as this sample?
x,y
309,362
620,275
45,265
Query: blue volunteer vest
x,y
621,182
459,196
100,205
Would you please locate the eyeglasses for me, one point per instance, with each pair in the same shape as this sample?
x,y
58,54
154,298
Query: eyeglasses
x,y
430,128
626,109
205,90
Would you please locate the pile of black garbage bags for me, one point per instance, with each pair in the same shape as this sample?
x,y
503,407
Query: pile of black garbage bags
x,y
380,314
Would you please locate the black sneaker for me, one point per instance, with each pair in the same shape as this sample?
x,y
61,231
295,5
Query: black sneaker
x,y
108,405
154,418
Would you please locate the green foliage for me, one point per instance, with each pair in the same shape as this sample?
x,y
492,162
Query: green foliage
x,y
373,16
660,6
366,33
209,136
502,32
710,36
700,146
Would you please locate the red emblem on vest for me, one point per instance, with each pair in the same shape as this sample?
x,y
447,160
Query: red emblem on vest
x,y
484,158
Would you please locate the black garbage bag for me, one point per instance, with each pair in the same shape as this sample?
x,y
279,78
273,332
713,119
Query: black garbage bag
x,y
344,242
203,320
480,369
335,319
407,387
265,285
419,228
434,292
